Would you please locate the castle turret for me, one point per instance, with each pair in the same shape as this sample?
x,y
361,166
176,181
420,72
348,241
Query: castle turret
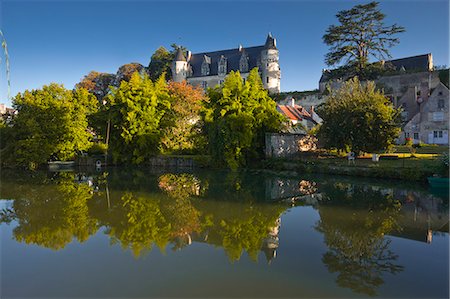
x,y
270,67
179,67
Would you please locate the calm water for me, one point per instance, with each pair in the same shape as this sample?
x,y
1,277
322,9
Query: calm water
x,y
217,234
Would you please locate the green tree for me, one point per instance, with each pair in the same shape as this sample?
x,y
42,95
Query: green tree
x,y
184,132
136,111
236,118
357,117
360,34
160,63
50,121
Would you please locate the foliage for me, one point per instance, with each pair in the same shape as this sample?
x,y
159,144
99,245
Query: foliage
x,y
360,34
98,149
51,121
236,119
184,133
97,84
136,110
444,77
126,71
356,117
161,62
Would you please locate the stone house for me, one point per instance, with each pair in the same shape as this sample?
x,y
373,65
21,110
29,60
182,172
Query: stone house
x,y
431,122
300,119
209,69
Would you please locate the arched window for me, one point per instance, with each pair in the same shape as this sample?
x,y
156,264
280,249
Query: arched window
x,y
222,66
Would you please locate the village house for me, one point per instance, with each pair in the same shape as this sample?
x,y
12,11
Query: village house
x,y
300,119
209,69
431,122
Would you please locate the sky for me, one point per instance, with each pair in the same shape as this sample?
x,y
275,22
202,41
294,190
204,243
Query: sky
x,y
62,41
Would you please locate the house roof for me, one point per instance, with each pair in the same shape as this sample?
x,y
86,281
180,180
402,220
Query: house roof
x,y
419,63
233,57
294,112
416,63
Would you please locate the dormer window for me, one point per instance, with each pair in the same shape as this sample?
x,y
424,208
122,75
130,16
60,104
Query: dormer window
x,y
243,63
189,71
206,65
222,68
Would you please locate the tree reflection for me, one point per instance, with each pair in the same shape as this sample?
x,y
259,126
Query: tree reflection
x,y
354,221
138,224
51,216
181,211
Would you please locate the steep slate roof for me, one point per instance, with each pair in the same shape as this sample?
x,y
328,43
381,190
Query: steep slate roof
x,y
414,63
417,63
270,42
233,56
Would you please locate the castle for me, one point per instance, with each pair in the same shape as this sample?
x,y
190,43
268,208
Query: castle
x,y
210,68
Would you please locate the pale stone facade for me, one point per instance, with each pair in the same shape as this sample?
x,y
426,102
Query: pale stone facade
x,y
431,124
210,68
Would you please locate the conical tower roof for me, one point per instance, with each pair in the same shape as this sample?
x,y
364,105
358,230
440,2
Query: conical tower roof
x,y
180,56
270,42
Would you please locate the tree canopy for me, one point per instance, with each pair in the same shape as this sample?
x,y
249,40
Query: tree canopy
x,y
183,135
357,117
360,34
51,121
237,117
136,110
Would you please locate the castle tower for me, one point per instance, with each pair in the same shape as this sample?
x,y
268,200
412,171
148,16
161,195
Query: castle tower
x,y
270,67
179,67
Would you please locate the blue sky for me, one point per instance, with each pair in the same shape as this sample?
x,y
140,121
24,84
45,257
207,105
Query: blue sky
x,y
61,41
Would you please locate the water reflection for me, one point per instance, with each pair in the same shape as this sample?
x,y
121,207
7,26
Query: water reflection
x,y
238,212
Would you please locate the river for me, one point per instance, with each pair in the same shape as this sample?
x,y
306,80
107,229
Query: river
x,y
142,233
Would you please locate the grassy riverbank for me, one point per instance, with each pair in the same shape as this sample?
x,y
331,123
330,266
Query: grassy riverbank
x,y
401,166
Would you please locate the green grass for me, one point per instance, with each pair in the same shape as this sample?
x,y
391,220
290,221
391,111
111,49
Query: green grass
x,y
425,149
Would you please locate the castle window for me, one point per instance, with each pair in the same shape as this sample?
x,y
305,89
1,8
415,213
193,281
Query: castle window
x,y
222,69
205,65
440,103
243,63
267,79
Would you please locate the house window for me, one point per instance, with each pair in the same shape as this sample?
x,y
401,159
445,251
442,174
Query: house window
x,y
440,103
407,135
267,79
437,134
221,82
438,116
204,85
416,136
